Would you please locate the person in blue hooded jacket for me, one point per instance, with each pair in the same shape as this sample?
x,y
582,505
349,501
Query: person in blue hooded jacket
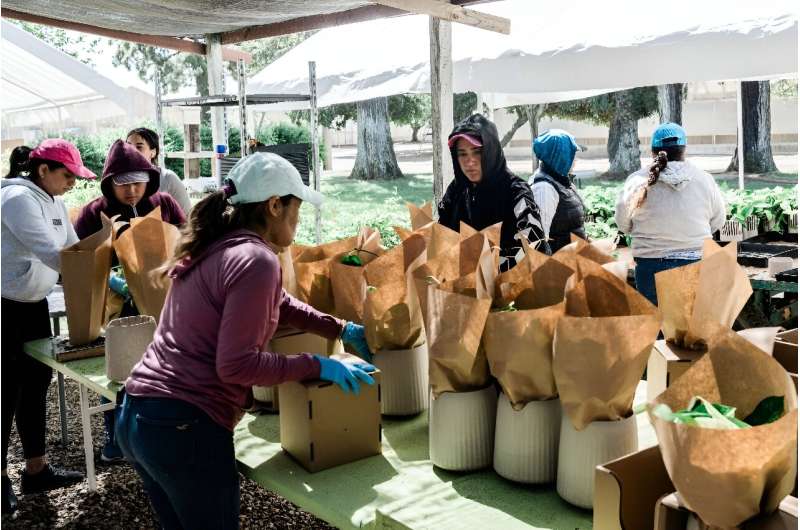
x,y
560,206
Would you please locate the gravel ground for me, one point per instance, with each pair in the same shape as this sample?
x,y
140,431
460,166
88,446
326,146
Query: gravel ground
x,y
120,500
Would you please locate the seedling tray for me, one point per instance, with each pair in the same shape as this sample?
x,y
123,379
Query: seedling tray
x,y
787,276
758,254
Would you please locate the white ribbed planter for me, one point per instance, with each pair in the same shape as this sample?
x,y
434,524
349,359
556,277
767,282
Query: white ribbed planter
x,y
265,394
526,441
580,452
126,341
404,380
461,429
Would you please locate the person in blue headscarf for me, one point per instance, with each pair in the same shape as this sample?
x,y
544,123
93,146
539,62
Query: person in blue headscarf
x,y
560,207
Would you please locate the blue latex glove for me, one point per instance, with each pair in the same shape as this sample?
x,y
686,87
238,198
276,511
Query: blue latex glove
x,y
353,334
345,375
118,285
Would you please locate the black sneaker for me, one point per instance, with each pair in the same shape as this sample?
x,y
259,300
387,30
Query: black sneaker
x,y
9,499
49,478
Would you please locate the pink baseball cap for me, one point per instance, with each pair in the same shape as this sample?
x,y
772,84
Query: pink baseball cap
x,y
62,151
473,140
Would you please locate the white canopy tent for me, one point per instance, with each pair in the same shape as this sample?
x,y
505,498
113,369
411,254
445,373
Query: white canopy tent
x,y
43,87
556,51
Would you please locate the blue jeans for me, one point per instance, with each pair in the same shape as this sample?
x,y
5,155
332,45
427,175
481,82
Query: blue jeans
x,y
185,459
645,272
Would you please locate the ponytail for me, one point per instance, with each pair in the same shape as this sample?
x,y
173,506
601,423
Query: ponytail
x,y
18,162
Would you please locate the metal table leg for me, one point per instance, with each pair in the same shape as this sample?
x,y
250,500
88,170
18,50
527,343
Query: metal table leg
x,y
87,438
62,408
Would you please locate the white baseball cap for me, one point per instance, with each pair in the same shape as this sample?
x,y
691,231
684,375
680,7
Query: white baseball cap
x,y
259,176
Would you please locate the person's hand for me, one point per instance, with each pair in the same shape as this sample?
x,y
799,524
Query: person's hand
x,y
347,376
353,334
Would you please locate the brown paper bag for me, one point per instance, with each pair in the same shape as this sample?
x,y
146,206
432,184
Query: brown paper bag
x,y
537,281
601,348
728,476
85,267
519,348
348,283
420,215
312,272
491,232
694,298
392,314
142,249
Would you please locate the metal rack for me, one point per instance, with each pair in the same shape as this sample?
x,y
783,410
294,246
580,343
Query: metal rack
x,y
242,99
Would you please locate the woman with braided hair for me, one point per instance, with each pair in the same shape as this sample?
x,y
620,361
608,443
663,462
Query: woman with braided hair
x,y
668,209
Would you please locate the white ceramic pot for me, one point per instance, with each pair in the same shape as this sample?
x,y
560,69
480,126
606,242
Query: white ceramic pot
x,y
265,394
126,341
526,441
461,429
580,452
404,380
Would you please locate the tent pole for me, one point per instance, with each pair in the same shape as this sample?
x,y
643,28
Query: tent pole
x,y
441,44
312,124
159,118
242,108
740,131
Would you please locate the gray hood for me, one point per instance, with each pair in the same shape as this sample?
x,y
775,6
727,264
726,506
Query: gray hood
x,y
21,181
677,174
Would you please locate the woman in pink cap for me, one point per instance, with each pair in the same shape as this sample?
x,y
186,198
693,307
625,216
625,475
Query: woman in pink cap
x,y
34,230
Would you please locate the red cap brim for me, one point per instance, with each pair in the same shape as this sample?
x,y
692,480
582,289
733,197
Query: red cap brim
x,y
81,171
474,141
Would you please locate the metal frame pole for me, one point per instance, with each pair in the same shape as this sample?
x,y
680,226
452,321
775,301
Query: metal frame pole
x,y
312,124
159,118
740,131
242,108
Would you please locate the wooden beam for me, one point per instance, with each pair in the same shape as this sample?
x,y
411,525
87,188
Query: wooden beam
x,y
452,13
313,22
441,43
160,41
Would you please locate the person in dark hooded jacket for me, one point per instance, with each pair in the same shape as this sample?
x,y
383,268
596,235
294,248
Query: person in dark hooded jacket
x,y
486,192
130,189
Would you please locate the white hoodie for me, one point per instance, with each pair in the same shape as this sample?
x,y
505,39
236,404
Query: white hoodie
x,y
35,228
684,207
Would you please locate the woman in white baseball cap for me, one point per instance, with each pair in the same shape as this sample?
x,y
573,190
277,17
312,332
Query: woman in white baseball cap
x,y
186,395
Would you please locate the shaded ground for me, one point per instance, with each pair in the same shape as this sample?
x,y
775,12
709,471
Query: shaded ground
x,y
120,500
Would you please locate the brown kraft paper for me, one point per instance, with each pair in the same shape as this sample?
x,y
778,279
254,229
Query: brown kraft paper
x,y
348,284
142,249
420,215
312,272
85,267
601,348
695,298
519,348
729,476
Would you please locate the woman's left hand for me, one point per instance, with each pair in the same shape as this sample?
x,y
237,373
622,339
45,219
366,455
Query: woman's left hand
x,y
353,334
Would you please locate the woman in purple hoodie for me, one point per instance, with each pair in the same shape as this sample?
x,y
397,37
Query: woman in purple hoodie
x,y
130,189
186,395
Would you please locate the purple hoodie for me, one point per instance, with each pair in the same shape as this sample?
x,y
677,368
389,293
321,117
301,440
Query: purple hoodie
x,y
222,308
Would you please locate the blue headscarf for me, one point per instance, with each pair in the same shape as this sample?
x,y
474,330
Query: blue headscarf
x,y
556,148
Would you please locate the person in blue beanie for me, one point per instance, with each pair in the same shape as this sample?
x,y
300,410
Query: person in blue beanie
x,y
560,207
668,209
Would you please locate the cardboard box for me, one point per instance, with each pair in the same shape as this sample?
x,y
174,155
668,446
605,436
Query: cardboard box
x,y
672,515
323,427
786,354
667,362
626,490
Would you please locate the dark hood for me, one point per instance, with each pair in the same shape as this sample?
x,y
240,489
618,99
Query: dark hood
x,y
493,160
232,239
122,158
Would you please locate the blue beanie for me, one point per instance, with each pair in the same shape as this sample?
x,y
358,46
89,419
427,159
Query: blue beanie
x,y
557,149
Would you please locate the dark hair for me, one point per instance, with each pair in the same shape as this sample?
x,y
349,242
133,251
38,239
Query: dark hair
x,y
149,136
18,162
673,153
35,163
213,217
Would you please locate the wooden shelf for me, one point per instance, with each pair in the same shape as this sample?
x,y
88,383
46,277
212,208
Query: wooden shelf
x,y
188,155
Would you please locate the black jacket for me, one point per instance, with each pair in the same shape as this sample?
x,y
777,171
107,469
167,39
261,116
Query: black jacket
x,y
500,196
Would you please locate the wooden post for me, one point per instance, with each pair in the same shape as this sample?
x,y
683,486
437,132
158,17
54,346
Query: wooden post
x,y
312,124
159,119
215,87
242,108
441,40
191,144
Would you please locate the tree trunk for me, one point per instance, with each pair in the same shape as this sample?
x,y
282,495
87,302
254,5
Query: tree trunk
x,y
415,134
375,158
623,137
757,130
535,113
522,117
670,103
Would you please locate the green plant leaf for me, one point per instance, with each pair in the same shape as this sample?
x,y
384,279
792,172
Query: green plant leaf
x,y
767,411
